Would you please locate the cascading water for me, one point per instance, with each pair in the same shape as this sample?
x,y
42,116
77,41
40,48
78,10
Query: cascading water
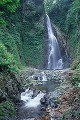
x,y
29,101
33,104
54,54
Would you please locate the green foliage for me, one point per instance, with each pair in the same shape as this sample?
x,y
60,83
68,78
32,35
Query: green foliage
x,y
73,15
6,108
2,22
76,63
63,116
7,61
23,34
75,78
33,44
66,15
48,5
57,13
8,5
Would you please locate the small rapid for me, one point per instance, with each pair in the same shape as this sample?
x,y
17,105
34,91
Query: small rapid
x,y
29,100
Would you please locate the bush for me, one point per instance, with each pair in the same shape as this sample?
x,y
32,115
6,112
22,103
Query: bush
x,y
7,61
76,63
75,78
7,108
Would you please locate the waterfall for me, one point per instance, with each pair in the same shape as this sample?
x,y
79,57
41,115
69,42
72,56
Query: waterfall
x,y
54,54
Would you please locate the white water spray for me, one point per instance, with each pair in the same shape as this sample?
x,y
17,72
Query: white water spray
x,y
29,100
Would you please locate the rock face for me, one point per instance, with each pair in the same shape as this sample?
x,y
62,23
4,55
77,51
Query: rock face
x,y
61,37
10,87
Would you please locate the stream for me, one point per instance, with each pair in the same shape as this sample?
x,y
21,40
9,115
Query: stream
x,y
31,106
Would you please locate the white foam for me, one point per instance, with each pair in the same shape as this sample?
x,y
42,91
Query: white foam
x,y
44,78
26,96
29,101
35,101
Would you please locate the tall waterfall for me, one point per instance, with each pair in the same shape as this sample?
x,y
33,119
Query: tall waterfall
x,y
54,54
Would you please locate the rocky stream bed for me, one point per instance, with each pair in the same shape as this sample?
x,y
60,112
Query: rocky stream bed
x,y
46,95
52,104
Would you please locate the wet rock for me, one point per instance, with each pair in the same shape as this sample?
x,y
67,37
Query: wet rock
x,y
35,93
57,116
2,96
54,103
43,108
43,101
35,78
12,90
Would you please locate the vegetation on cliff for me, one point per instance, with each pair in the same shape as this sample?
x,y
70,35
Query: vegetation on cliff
x,y
21,30
66,15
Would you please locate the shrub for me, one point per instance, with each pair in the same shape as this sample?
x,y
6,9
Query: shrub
x,y
75,78
7,61
76,63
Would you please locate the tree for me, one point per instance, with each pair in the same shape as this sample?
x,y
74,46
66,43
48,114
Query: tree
x,y
76,10
7,6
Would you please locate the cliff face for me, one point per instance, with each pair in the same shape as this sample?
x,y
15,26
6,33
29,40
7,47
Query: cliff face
x,y
61,37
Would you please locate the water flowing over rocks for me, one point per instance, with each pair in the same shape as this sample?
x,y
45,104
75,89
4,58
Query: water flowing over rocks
x,y
32,79
35,76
